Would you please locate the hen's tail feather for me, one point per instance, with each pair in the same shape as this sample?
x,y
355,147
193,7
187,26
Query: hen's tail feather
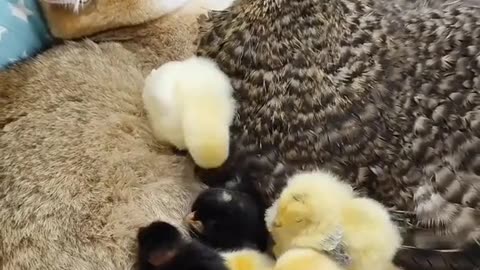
x,y
461,230
411,258
442,220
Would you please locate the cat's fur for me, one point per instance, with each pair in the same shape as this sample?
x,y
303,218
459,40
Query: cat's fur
x,y
79,168
385,95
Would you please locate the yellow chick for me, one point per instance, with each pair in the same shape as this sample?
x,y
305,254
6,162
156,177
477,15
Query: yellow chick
x,y
370,235
305,259
308,208
317,210
189,104
248,259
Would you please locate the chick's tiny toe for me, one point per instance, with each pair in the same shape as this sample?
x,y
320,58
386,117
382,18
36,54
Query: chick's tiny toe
x,y
192,223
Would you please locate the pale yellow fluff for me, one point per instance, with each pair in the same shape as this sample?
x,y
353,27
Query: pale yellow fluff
x,y
305,259
371,236
313,204
248,259
190,105
309,204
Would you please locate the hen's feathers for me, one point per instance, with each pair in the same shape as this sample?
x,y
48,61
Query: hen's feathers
x,y
387,98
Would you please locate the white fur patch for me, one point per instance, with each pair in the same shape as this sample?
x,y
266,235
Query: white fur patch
x,y
215,4
195,6
75,4
226,196
167,6
231,184
271,214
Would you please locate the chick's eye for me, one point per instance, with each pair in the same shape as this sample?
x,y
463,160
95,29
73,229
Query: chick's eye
x,y
299,198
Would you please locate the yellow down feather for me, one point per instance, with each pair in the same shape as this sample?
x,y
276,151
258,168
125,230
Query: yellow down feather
x,y
314,204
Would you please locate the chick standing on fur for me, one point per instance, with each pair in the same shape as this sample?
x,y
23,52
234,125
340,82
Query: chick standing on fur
x,y
189,105
227,220
318,211
161,246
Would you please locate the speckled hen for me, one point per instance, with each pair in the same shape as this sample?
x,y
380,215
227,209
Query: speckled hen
x,y
388,98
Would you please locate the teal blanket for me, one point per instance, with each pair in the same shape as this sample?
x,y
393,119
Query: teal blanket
x,y
23,31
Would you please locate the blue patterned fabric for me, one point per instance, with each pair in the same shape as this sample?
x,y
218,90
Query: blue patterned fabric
x,y
23,31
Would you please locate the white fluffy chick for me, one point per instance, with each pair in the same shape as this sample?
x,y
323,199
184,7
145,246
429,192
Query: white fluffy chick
x,y
189,104
317,210
248,259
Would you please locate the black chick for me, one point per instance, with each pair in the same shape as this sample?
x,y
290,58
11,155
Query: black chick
x,y
228,219
161,246
260,175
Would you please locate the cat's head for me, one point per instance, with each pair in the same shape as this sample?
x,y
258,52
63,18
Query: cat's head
x,y
70,19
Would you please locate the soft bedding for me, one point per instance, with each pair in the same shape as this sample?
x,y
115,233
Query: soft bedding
x,y
23,31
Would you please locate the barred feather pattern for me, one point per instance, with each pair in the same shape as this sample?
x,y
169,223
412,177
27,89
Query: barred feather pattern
x,y
387,98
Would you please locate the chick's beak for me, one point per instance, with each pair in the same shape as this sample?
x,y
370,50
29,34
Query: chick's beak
x,y
190,221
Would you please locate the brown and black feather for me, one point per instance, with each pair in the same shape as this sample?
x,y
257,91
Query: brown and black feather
x,y
388,97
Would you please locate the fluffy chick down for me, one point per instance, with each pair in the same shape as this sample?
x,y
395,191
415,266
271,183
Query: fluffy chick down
x,y
189,105
371,236
248,259
305,259
309,207
317,210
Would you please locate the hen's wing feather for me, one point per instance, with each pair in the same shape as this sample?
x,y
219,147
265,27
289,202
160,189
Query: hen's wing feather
x,y
387,98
